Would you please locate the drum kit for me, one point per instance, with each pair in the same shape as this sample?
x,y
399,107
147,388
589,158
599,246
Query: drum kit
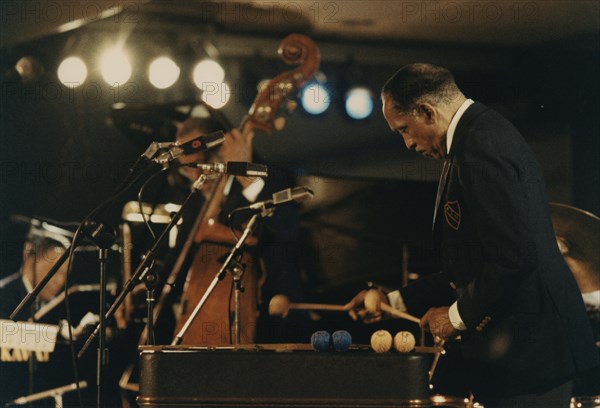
x,y
578,238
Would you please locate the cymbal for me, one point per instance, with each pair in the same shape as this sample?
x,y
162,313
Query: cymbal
x,y
578,236
46,228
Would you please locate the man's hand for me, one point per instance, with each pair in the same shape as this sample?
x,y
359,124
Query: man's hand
x,y
356,309
238,147
437,322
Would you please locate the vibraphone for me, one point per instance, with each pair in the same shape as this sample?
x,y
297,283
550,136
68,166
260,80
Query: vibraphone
x,y
284,375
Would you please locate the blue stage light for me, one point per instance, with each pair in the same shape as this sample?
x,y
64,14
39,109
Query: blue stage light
x,y
359,103
315,98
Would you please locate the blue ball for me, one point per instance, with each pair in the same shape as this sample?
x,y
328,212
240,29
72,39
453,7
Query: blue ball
x,y
320,340
342,340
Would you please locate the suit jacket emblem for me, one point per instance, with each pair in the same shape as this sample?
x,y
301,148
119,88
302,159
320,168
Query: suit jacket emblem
x,y
452,214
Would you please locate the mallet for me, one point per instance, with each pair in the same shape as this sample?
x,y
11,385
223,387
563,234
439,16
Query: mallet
x,y
280,305
373,304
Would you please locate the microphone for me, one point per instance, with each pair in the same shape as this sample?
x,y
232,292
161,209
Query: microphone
x,y
26,71
284,196
234,168
198,144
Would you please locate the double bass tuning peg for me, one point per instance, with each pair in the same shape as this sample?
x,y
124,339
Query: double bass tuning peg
x,y
290,106
279,123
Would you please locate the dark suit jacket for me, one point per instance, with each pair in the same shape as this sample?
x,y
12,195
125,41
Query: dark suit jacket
x,y
523,310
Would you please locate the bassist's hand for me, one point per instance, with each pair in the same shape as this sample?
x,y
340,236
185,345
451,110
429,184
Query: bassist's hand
x,y
238,147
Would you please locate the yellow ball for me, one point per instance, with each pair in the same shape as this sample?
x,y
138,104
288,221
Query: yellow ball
x,y
372,301
381,341
404,341
279,306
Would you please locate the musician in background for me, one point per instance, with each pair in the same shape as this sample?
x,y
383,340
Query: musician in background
x,y
19,376
504,287
39,256
236,147
275,245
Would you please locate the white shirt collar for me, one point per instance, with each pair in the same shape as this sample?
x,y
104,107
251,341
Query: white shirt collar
x,y
454,123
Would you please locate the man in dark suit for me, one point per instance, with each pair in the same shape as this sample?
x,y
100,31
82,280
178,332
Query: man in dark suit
x,y
516,306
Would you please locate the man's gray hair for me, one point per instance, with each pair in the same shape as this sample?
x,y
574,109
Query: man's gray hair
x,y
417,83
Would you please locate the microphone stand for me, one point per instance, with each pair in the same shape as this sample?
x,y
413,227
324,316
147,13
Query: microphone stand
x,y
56,393
102,358
151,280
236,272
145,266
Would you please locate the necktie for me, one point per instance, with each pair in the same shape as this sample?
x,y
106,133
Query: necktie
x,y
441,187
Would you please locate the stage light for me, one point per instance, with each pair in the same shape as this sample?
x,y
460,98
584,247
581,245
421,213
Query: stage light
x,y
315,98
72,72
115,67
163,72
359,103
208,72
216,94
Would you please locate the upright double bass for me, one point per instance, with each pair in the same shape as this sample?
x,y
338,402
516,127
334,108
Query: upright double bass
x,y
213,325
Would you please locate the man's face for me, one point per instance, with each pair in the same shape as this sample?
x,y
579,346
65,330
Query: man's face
x,y
38,262
420,133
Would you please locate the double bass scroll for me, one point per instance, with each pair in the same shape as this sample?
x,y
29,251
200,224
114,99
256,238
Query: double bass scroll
x,y
295,49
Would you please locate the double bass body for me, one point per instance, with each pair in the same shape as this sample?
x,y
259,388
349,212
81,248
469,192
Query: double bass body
x,y
213,326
